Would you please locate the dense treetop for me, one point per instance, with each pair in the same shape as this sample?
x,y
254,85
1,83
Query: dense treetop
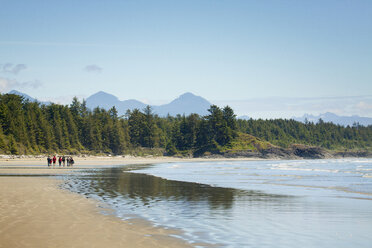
x,y
31,128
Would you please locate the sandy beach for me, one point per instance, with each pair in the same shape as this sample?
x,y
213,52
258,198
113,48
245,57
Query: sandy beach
x,y
35,212
94,161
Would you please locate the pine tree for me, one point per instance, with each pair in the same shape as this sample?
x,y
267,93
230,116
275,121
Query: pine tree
x,y
12,146
148,128
136,124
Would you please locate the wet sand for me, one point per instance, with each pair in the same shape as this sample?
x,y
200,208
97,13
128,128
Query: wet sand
x,y
89,161
35,212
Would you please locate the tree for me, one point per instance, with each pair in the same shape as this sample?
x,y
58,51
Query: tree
x,y
75,107
204,137
28,127
136,125
222,124
113,113
12,146
148,128
170,149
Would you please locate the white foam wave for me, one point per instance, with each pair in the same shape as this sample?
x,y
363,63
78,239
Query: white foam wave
x,y
174,166
305,169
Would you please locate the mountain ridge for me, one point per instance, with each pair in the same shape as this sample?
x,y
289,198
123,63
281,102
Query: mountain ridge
x,y
27,97
336,119
186,103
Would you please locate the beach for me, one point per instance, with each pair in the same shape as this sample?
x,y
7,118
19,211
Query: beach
x,y
190,202
94,161
35,212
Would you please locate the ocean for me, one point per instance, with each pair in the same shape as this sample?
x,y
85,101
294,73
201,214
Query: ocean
x,y
294,203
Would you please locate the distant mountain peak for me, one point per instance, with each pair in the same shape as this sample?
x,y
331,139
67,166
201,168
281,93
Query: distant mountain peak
x,y
16,92
329,114
102,99
187,95
186,103
24,95
336,119
27,97
104,94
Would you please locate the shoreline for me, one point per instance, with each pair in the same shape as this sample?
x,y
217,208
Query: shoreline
x,y
35,212
94,161
103,161
37,165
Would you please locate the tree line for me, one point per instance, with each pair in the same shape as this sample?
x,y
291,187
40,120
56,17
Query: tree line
x,y
283,132
32,128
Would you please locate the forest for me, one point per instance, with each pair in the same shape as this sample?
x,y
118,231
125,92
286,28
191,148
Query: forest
x,y
31,128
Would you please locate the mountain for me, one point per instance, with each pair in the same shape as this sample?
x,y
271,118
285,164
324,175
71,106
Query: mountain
x,y
336,119
24,95
27,97
103,100
130,104
185,104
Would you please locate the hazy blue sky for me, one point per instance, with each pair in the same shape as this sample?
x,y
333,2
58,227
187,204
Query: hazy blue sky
x,y
226,51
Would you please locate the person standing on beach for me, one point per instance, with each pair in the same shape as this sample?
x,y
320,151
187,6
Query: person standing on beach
x,y
49,161
72,161
63,160
54,160
59,161
68,161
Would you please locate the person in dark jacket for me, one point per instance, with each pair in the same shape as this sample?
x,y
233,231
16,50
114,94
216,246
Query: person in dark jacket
x,y
49,161
63,160
71,161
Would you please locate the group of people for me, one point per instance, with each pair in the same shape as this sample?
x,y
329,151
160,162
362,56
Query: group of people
x,y
62,160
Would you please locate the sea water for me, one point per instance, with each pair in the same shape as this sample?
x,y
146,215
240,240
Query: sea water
x,y
304,203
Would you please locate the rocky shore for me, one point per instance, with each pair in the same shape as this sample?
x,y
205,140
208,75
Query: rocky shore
x,y
295,152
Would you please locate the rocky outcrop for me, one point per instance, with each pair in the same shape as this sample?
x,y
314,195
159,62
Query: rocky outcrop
x,y
353,154
274,152
242,154
310,152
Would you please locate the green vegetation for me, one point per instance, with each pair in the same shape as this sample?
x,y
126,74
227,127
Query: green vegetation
x,y
246,142
284,133
30,128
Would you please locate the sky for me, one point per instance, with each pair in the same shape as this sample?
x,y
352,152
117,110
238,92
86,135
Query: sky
x,y
264,58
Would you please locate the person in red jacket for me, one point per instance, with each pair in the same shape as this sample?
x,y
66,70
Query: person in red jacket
x,y
54,160
60,161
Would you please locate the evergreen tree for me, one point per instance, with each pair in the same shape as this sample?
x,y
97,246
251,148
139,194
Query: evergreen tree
x,y
136,125
204,137
148,128
28,127
12,146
